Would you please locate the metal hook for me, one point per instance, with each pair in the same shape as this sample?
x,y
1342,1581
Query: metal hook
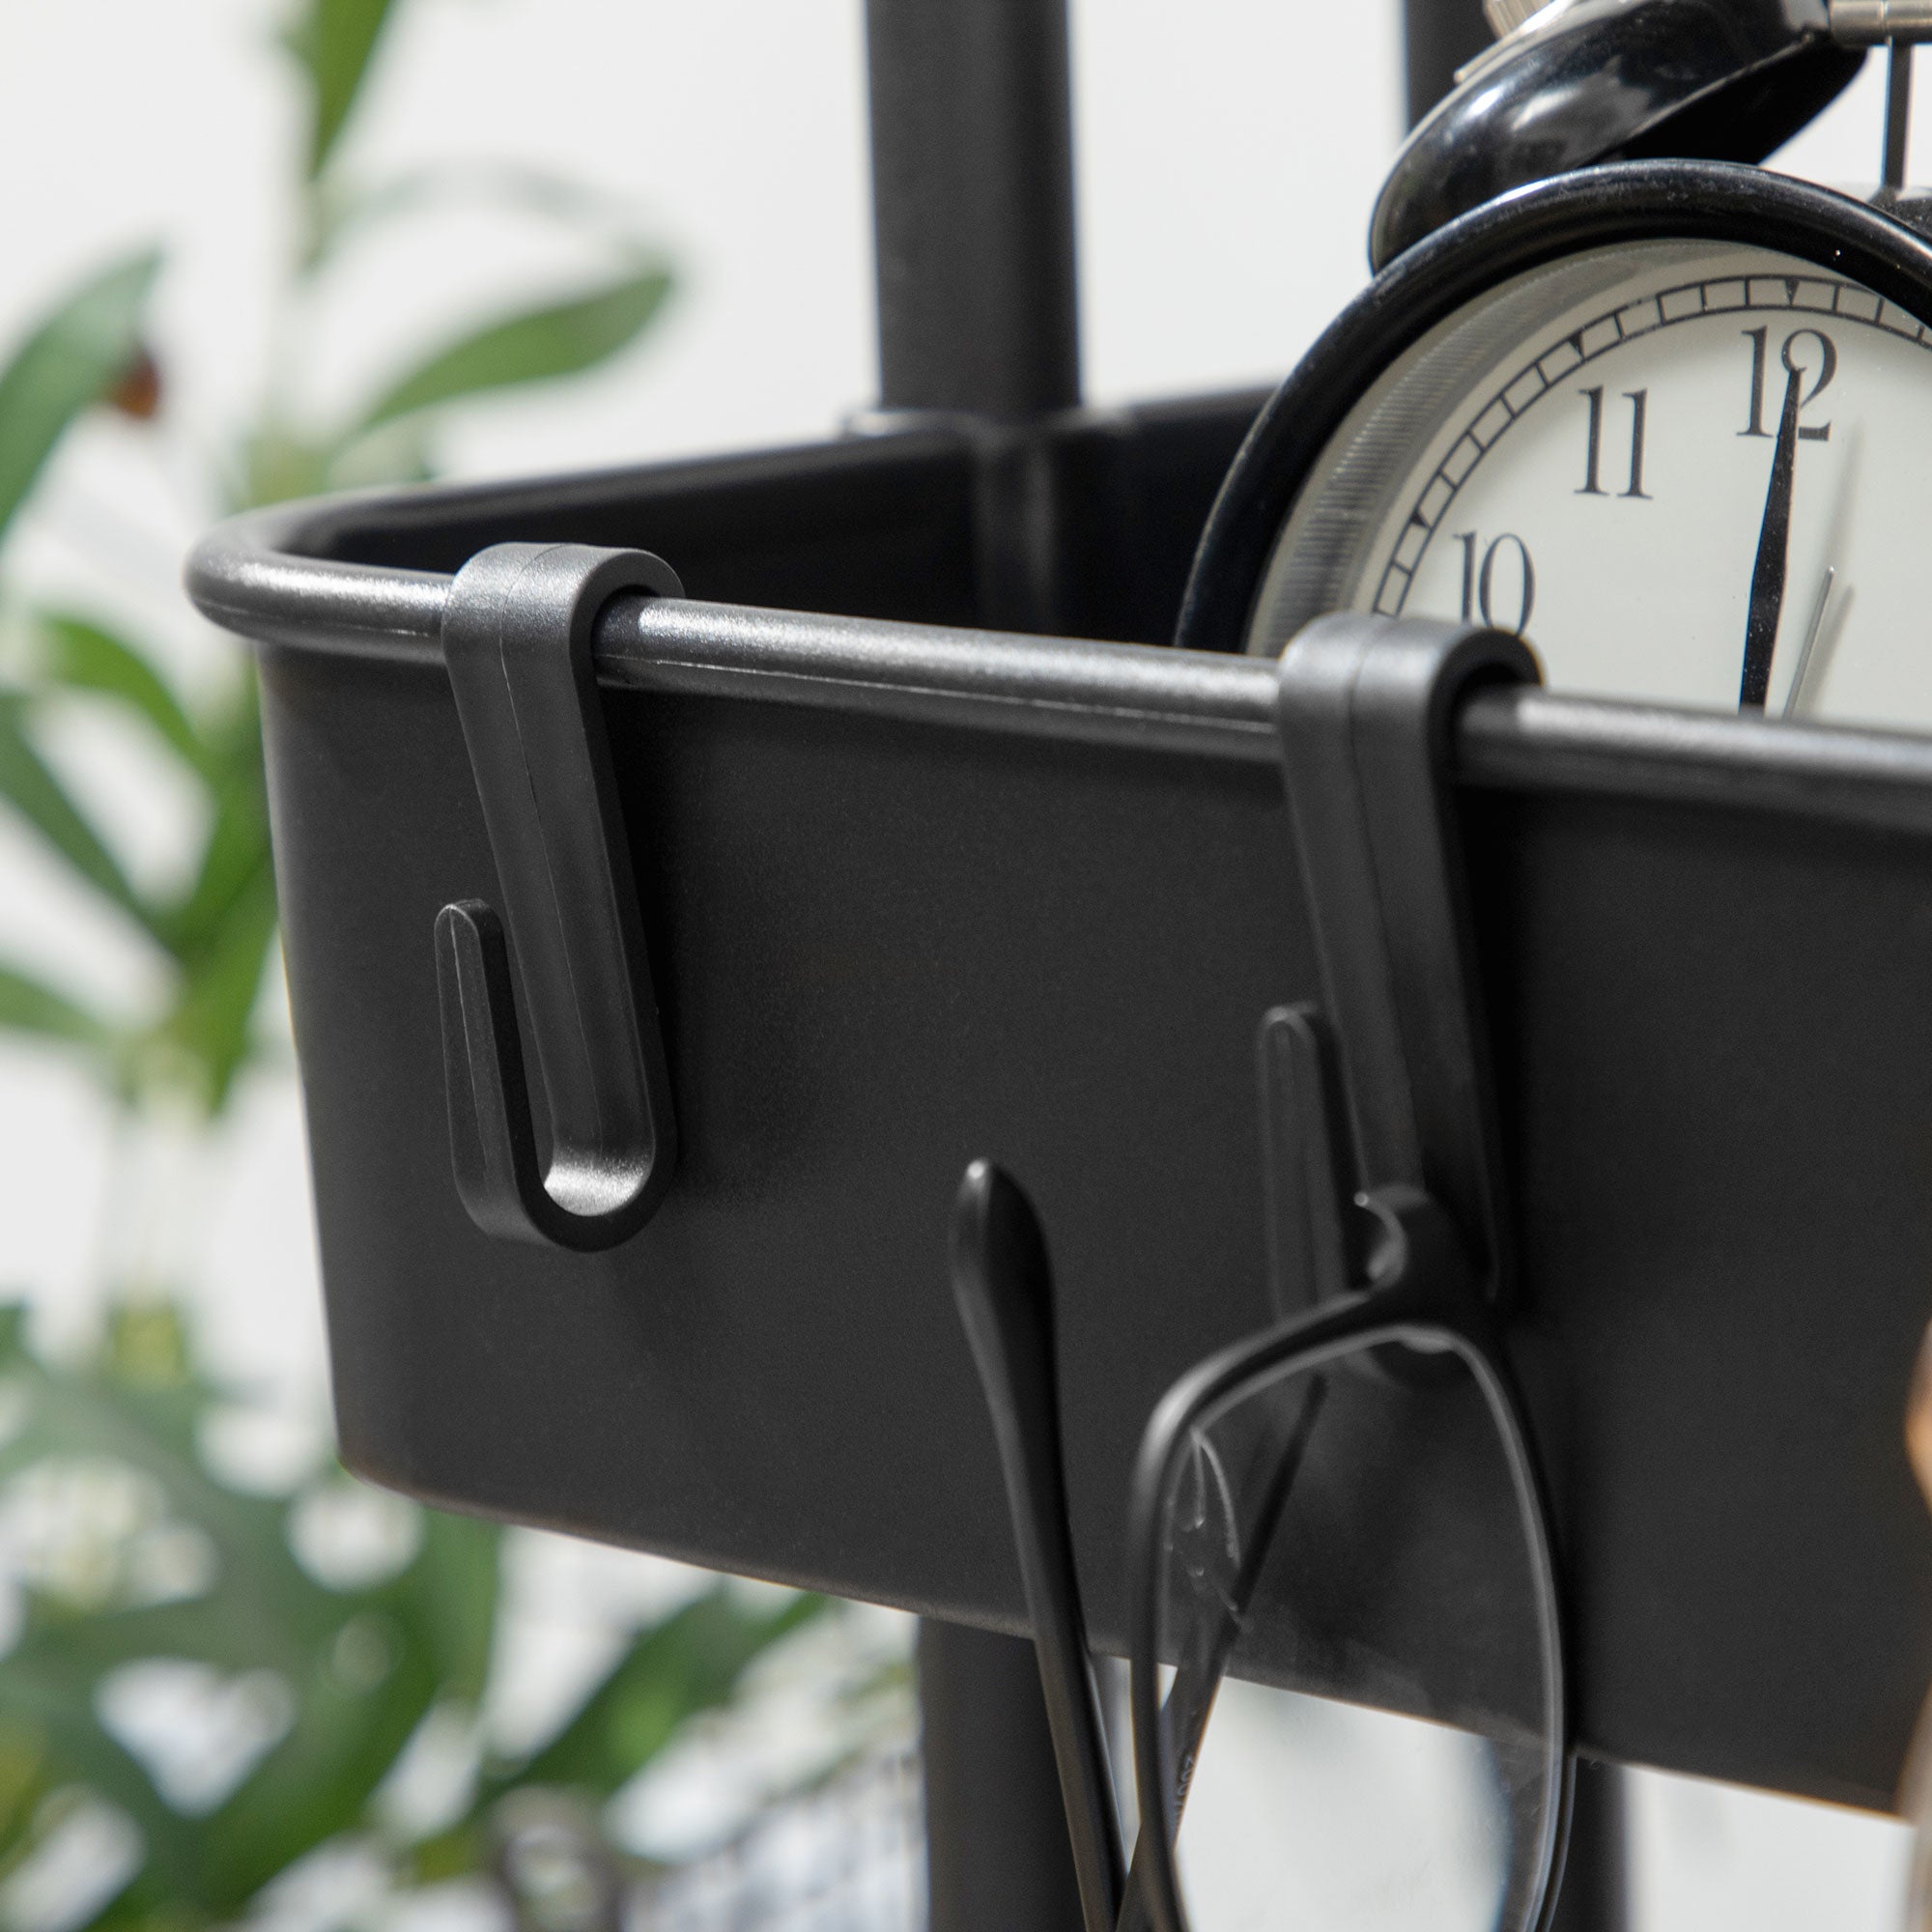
x,y
1312,1212
516,636
1364,712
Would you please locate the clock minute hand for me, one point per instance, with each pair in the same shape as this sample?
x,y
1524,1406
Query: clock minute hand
x,y
1767,592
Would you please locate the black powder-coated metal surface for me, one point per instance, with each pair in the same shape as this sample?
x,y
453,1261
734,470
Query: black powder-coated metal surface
x,y
912,898
909,525
971,127
996,1846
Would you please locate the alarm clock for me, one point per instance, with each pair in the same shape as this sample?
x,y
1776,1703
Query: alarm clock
x,y
1668,418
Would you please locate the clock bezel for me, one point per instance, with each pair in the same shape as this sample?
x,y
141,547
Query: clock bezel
x,y
1591,208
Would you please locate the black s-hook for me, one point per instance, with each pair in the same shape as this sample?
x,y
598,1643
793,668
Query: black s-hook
x,y
516,636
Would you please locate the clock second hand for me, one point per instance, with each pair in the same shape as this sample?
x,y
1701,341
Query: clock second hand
x,y
1767,592
1794,695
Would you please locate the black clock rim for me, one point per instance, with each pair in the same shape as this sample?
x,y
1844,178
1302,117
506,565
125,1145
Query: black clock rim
x,y
1621,201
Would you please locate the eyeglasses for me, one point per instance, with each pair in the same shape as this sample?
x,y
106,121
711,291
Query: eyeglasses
x,y
1346,1670
1345,1507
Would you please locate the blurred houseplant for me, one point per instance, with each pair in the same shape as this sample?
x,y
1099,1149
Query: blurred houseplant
x,y
140,1576
214,938
200,1696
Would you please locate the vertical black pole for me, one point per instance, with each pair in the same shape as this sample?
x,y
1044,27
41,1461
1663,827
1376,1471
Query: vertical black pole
x,y
973,214
973,203
1897,112
1596,1875
1438,37
997,1852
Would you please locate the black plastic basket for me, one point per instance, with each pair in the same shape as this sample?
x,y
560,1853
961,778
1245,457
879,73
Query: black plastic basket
x,y
912,894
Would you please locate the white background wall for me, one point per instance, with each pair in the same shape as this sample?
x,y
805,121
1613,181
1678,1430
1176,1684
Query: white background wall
x,y
1228,152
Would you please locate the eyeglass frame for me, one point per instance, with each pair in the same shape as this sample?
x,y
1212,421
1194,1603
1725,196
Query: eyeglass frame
x,y
1431,1308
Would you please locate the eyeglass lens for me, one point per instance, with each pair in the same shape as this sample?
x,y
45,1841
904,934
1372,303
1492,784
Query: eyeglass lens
x,y
1355,1716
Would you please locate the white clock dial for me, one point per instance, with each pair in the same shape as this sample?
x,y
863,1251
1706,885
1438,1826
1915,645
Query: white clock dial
x,y
1684,473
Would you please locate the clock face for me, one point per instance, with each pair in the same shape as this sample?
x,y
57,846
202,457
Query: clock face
x,y
1683,471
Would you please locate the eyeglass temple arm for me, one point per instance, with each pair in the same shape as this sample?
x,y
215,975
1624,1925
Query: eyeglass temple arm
x,y
1003,1282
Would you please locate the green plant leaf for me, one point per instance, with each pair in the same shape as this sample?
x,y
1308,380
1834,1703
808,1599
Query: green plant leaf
x,y
691,1663
453,1588
31,788
352,1722
80,656
212,1015
234,866
562,339
264,1594
262,1611
28,1006
319,1779
398,452
364,1666
73,357
345,210
25,1780
335,42
277,463
57,1702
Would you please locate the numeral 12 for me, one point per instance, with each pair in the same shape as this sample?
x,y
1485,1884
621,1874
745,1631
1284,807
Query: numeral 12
x,y
1639,402
1827,367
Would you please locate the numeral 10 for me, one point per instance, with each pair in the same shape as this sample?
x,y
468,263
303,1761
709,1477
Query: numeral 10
x,y
1479,581
1639,402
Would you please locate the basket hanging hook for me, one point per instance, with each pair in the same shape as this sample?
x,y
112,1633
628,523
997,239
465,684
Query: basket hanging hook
x,y
516,636
1364,709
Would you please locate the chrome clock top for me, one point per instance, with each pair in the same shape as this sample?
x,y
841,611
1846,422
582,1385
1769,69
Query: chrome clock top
x,y
1578,82
1573,83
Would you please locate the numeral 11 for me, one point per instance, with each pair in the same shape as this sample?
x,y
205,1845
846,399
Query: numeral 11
x,y
1639,402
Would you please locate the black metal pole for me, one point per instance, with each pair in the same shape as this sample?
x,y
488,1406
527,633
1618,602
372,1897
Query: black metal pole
x,y
1438,37
997,1851
973,206
972,217
1596,1873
